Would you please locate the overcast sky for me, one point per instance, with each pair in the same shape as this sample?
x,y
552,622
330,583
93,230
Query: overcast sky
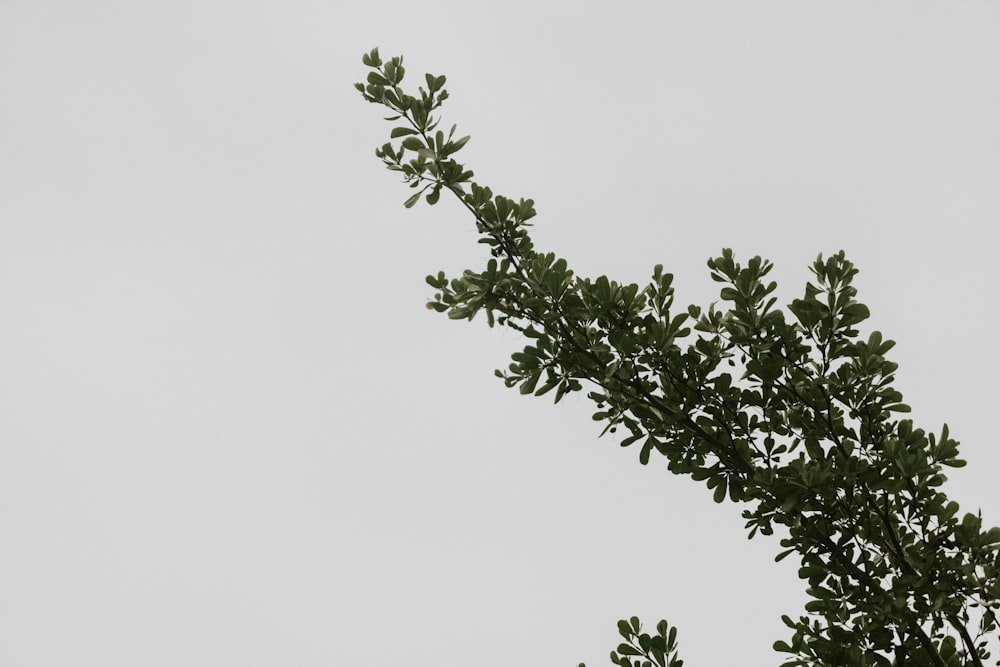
x,y
232,434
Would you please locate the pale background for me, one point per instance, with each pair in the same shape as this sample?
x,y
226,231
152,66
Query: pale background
x,y
230,432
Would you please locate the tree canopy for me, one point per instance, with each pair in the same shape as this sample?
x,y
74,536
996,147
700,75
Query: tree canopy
x,y
790,413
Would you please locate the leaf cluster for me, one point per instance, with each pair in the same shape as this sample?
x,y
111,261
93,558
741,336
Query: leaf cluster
x,y
789,412
640,649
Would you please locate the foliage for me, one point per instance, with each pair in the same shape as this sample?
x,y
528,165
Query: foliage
x,y
790,412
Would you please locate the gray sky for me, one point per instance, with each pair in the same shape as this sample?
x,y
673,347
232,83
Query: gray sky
x,y
230,432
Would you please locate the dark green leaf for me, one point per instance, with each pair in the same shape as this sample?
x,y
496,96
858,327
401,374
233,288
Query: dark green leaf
x,y
413,144
720,492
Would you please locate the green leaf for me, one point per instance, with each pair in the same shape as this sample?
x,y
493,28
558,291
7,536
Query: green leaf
x,y
647,447
434,195
413,144
371,59
528,385
455,146
547,387
625,649
814,449
412,200
720,492
401,132
992,536
437,282
853,314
